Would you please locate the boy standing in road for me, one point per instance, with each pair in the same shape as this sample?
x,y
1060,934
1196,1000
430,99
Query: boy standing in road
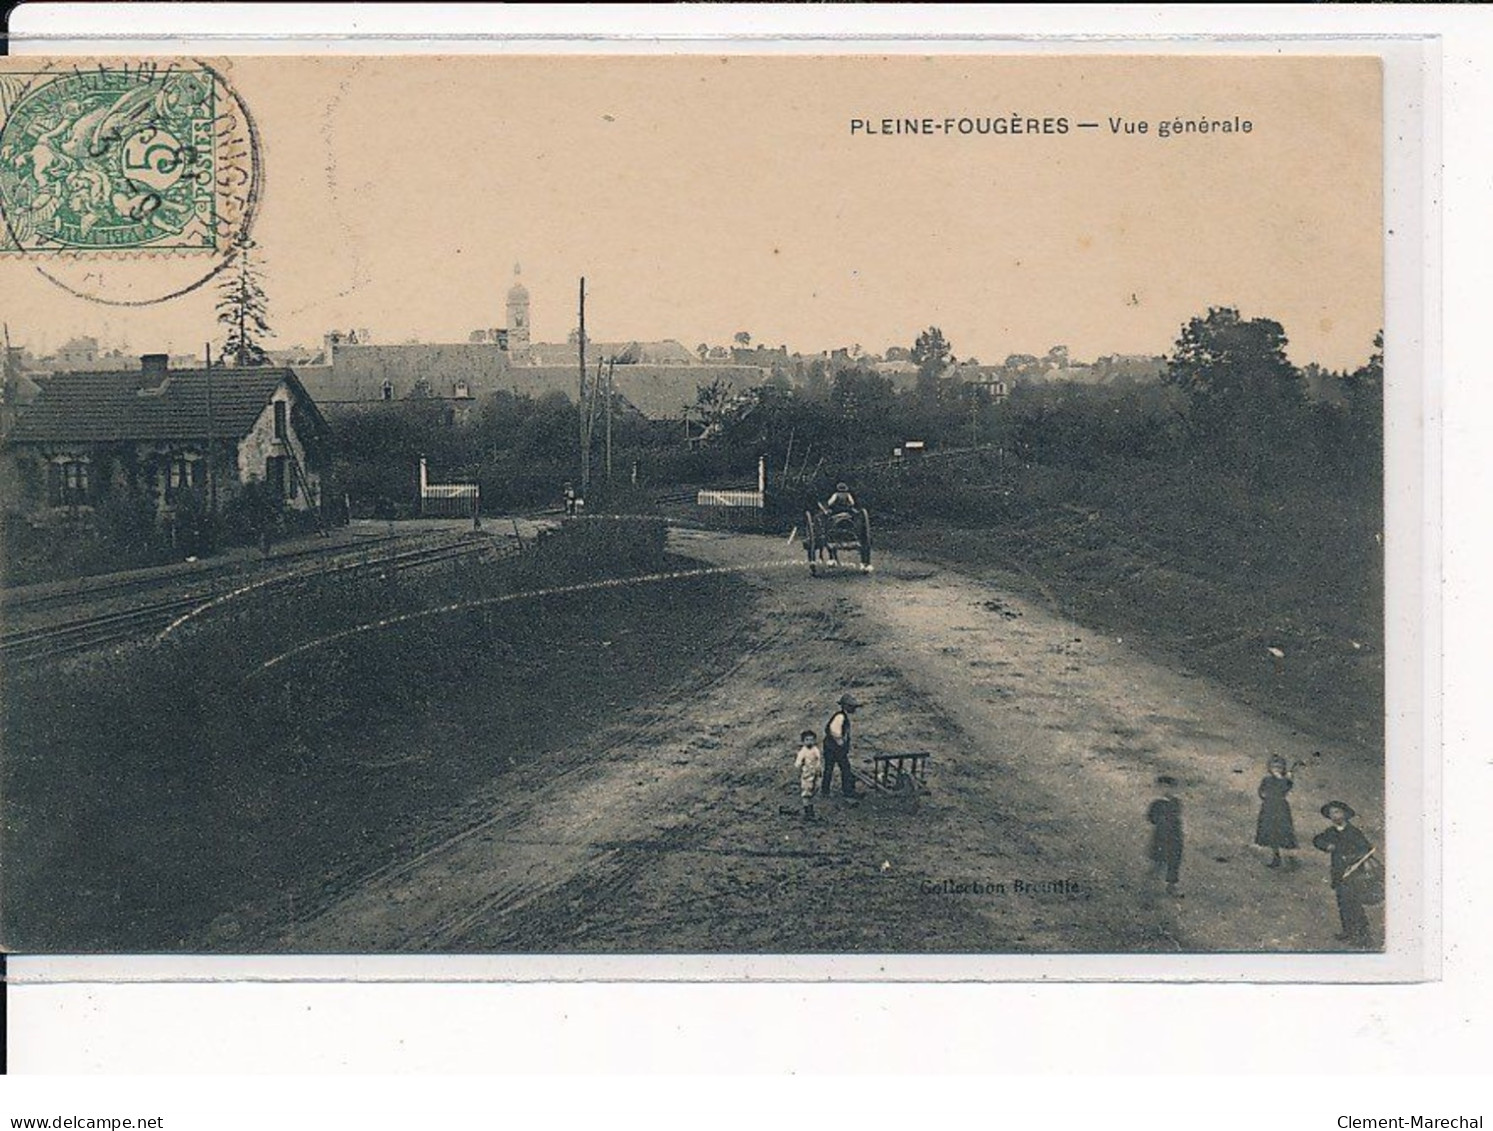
x,y
810,763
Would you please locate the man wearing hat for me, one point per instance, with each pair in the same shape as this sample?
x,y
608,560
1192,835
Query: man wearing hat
x,y
837,746
1349,848
840,501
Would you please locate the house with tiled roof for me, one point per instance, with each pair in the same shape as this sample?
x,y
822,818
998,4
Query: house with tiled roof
x,y
163,434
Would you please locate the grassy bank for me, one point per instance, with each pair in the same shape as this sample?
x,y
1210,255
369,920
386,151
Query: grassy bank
x,y
1198,567
151,799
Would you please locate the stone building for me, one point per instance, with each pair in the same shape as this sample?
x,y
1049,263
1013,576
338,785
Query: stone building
x,y
156,431
658,378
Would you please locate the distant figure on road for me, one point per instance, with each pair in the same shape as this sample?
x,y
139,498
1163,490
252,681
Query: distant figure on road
x,y
1274,829
1165,815
837,747
840,502
810,766
1350,850
569,499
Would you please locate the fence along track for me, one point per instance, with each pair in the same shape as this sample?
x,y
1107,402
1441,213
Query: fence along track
x,y
407,559
88,633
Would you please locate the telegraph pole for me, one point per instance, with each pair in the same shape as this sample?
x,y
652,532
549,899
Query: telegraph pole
x,y
611,362
581,403
212,477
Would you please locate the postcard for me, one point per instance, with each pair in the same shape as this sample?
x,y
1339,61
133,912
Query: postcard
x,y
807,508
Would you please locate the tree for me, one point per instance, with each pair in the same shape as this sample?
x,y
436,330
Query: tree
x,y
1244,396
712,399
816,381
743,339
863,397
703,350
1365,389
243,309
932,355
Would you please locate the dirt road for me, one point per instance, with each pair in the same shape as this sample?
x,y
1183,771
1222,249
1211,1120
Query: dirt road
x,y
671,835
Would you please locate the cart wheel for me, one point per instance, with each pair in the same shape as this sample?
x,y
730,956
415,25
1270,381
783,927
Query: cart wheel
x,y
865,538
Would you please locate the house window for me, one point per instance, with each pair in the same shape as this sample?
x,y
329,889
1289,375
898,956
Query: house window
x,y
388,390
280,416
184,473
67,483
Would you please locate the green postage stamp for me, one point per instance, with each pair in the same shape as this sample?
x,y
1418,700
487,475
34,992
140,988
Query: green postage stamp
x,y
130,158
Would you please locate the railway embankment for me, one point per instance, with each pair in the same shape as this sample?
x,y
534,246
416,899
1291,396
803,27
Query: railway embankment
x,y
284,742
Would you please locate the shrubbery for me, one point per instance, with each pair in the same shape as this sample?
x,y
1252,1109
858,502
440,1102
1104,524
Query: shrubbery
x,y
120,533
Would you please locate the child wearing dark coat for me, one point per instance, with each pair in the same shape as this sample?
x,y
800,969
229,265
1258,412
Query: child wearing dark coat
x,y
1274,829
1165,815
1349,849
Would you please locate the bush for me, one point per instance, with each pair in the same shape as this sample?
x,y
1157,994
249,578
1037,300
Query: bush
x,y
121,533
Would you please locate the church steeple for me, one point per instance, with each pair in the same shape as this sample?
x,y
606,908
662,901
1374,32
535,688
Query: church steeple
x,y
518,316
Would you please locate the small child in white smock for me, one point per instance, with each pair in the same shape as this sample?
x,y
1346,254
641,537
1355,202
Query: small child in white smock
x,y
810,764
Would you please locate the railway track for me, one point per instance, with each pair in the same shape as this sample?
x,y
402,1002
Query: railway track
x,y
94,590
87,634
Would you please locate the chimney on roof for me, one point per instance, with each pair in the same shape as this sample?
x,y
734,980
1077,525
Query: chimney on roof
x,y
154,364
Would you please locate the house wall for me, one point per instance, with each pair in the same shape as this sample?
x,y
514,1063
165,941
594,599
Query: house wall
x,y
659,392
256,448
23,485
114,469
357,374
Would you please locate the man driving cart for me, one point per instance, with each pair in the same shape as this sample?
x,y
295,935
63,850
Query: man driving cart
x,y
841,501
836,524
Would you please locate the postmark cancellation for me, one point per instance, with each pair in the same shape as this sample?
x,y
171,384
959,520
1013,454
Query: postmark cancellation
x,y
117,161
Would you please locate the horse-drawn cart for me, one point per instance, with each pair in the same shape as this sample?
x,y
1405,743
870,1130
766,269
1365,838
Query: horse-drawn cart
x,y
826,533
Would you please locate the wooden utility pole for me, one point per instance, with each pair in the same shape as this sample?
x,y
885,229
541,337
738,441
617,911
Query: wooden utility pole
x,y
212,477
581,403
591,408
611,364
9,391
8,387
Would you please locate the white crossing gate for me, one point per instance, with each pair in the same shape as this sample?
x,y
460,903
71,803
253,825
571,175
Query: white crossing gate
x,y
736,508
729,499
738,496
448,500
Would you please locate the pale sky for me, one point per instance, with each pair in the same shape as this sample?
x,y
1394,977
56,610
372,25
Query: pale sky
x,y
701,196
